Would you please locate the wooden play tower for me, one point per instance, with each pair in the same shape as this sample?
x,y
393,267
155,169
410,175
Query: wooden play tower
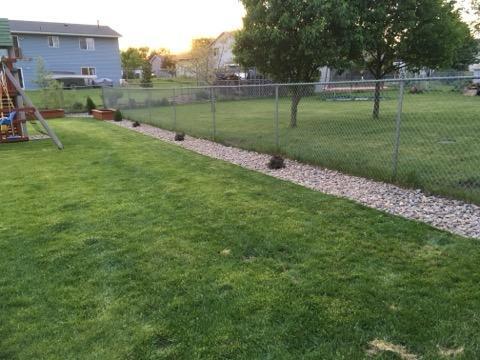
x,y
15,106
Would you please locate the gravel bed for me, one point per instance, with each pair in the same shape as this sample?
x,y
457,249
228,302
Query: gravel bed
x,y
451,215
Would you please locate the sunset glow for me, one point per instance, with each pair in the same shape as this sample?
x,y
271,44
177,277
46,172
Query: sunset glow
x,y
169,24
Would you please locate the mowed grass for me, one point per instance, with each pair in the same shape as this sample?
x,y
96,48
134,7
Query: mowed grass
x,y
124,247
439,149
69,100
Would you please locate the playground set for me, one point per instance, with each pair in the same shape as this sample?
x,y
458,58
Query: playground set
x,y
15,106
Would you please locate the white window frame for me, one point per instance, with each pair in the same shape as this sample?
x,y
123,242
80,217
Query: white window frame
x,y
88,41
89,70
55,41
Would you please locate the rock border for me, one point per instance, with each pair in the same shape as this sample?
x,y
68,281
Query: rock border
x,y
454,216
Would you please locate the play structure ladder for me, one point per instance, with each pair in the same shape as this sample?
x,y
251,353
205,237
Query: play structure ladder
x,y
7,104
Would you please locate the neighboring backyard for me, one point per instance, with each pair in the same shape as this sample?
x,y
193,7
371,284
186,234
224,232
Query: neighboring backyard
x,y
122,246
439,148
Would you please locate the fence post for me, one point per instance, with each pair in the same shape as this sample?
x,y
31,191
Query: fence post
x,y
103,97
214,120
398,127
174,105
149,105
277,127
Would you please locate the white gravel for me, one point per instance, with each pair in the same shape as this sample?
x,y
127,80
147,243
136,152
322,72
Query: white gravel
x,y
451,215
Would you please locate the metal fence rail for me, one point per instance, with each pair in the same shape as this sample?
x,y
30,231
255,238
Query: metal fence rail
x,y
425,135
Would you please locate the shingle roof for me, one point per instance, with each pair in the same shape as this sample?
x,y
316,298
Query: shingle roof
x,y
5,36
39,27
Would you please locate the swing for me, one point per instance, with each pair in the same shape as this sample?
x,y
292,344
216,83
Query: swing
x,y
13,127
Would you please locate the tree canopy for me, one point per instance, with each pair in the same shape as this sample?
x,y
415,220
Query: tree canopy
x,y
290,40
414,34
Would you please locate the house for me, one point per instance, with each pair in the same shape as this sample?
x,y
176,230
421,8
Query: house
x,y
184,66
222,51
70,51
157,62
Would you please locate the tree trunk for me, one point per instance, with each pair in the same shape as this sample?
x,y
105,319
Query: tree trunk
x,y
376,99
296,97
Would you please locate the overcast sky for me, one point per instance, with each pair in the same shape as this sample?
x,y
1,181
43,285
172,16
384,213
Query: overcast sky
x,y
161,23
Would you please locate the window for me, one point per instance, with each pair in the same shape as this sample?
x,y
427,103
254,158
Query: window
x,y
87,43
16,47
54,42
90,71
216,51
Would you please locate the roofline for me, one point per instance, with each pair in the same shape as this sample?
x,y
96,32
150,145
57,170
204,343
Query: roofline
x,y
231,32
63,34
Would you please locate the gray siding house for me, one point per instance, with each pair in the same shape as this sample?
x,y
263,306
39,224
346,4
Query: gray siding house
x,y
68,50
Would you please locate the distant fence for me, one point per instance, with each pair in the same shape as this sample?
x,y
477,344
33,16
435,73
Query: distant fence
x,y
426,134
72,100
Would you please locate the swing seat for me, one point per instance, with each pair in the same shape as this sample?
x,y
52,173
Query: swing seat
x,y
9,119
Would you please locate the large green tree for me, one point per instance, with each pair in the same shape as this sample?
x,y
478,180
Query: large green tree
x,y
290,40
133,59
411,33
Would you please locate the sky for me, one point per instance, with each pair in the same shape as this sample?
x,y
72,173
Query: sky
x,y
157,24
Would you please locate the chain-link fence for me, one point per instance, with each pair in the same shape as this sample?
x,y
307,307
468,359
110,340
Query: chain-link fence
x,y
72,100
421,133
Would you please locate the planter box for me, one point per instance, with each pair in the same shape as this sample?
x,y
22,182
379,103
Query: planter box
x,y
49,114
103,114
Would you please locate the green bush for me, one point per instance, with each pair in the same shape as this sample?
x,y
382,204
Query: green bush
x,y
90,105
118,116
78,107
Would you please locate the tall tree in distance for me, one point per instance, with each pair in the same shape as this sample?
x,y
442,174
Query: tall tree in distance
x,y
146,81
411,34
290,40
133,59
201,62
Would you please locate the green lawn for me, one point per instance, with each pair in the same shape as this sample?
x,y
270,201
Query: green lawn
x,y
69,100
124,247
439,149
166,83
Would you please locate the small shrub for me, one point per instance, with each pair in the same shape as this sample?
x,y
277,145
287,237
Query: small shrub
x,y
118,115
180,136
276,162
90,105
415,90
136,124
78,107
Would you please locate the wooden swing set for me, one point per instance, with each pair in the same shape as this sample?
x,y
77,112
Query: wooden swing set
x,y
16,108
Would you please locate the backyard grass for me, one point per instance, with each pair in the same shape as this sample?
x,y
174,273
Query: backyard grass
x,y
124,247
69,100
439,149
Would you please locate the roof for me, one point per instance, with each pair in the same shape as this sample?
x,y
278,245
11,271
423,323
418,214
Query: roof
x,y
39,27
5,36
225,33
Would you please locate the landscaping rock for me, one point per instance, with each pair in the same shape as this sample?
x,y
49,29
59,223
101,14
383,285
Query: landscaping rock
x,y
451,215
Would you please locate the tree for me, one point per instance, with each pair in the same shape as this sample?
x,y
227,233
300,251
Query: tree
x,y
201,62
133,59
476,10
410,33
51,89
146,81
290,40
43,77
